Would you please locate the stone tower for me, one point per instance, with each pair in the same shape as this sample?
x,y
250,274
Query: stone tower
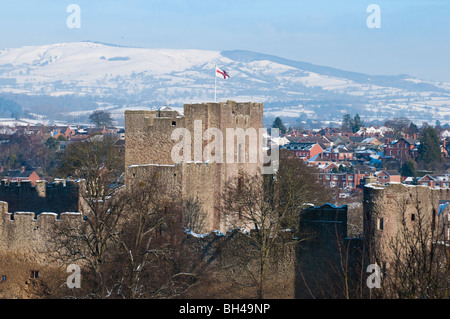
x,y
387,209
195,169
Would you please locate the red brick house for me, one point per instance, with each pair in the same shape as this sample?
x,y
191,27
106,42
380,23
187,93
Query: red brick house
x,y
386,177
435,181
402,149
337,154
304,151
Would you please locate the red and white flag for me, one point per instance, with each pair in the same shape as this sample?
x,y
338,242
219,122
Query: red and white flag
x,y
221,73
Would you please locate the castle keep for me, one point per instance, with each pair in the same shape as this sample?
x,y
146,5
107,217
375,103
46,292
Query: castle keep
x,y
150,146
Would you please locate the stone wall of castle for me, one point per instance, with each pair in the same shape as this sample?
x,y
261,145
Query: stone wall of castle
x,y
186,181
148,137
31,234
387,207
149,133
27,241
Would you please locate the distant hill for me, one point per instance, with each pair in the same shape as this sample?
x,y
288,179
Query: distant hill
x,y
90,75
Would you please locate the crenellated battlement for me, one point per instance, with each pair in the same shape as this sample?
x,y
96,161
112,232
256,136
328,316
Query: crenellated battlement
x,y
59,196
45,217
29,232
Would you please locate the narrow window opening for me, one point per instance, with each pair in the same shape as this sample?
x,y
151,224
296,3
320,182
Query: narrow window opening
x,y
380,223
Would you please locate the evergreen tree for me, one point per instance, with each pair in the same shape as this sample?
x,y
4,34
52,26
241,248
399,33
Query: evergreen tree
x,y
278,123
51,143
409,169
429,149
357,123
347,123
351,125
412,129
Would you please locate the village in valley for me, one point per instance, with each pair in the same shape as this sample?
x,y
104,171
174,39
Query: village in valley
x,y
344,157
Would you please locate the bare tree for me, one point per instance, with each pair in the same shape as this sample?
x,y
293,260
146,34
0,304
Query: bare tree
x,y
100,165
150,257
101,118
268,207
417,264
246,199
131,243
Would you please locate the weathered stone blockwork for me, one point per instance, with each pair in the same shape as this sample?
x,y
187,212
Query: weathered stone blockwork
x,y
29,233
27,241
386,207
149,147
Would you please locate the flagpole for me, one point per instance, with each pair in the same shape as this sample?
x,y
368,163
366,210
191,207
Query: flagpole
x,y
215,83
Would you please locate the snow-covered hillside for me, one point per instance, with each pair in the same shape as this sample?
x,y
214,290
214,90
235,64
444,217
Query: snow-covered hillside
x,y
153,77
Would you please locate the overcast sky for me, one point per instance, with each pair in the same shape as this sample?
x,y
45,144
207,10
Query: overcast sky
x,y
414,37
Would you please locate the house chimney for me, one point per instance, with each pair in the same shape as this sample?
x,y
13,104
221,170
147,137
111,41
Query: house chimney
x,y
22,169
